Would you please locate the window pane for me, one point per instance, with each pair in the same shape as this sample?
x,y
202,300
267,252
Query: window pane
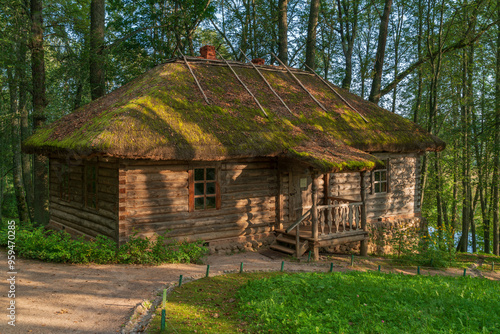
x,y
199,188
199,203
210,174
377,176
377,187
383,176
210,188
199,174
383,187
211,202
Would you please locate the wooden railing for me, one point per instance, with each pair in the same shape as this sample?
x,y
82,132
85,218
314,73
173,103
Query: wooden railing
x,y
339,216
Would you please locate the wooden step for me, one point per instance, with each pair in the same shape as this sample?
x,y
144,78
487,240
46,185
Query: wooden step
x,y
283,249
286,240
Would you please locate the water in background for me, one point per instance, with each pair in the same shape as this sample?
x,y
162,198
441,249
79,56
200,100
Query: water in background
x,y
458,235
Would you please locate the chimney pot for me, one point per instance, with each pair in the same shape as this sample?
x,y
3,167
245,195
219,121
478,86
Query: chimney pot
x,y
208,52
259,61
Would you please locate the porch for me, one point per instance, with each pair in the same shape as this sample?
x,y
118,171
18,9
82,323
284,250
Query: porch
x,y
337,221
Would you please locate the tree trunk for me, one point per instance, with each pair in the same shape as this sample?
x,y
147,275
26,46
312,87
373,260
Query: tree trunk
x,y
17,172
348,21
97,77
379,58
496,160
283,31
23,110
311,34
418,99
40,162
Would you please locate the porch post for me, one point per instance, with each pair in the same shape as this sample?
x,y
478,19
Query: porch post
x,y
363,247
314,214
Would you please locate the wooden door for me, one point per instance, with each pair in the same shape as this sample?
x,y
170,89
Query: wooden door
x,y
300,195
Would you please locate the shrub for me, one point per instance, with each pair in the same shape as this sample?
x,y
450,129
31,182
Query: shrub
x,y
38,243
436,248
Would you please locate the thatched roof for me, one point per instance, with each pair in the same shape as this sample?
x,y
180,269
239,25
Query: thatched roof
x,y
163,115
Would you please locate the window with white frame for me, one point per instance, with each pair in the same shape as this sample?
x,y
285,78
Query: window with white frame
x,y
380,180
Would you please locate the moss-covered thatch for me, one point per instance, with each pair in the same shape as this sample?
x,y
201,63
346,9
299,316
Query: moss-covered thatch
x,y
162,115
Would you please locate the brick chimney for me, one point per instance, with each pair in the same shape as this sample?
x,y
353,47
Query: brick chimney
x,y
258,61
208,52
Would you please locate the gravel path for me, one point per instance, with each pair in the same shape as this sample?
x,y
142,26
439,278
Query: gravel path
x,y
62,298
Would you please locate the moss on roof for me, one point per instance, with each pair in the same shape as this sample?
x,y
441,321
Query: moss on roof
x,y
162,115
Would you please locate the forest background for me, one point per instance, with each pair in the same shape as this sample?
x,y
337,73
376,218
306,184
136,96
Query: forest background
x,y
436,62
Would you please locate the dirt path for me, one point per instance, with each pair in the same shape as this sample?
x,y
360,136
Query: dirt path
x,y
62,298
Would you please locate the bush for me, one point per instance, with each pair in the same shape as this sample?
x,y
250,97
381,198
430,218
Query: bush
x,y
37,243
436,248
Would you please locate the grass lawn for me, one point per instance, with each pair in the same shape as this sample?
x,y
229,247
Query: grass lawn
x,y
351,302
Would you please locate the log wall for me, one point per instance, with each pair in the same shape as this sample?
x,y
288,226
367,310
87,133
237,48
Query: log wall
x,y
70,213
154,198
402,199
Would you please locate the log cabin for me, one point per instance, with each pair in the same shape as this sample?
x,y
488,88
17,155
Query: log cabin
x,y
232,153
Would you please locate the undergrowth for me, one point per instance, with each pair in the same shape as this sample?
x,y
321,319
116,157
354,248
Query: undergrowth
x,y
58,246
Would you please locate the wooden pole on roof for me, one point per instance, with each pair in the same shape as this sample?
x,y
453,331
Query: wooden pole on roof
x,y
300,83
194,76
336,93
241,82
267,82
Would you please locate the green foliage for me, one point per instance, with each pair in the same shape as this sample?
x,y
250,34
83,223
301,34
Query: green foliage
x,y
414,247
370,303
37,243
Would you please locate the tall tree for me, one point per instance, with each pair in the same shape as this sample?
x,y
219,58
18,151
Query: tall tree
x,y
311,34
379,58
17,172
283,31
22,79
97,60
41,205
496,162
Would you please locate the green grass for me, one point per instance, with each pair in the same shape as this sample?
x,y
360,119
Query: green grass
x,y
351,302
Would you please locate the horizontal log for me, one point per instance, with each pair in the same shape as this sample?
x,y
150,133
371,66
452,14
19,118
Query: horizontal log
x,y
187,229
156,202
108,189
147,211
157,193
74,226
103,180
97,216
252,180
112,198
156,185
250,194
216,215
246,173
109,172
219,234
166,168
178,176
110,164
340,241
75,221
111,207
253,202
248,187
